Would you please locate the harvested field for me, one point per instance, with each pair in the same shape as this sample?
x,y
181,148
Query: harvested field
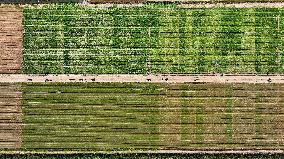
x,y
10,39
152,39
94,117
10,116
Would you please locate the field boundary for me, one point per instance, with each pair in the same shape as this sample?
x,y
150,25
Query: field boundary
x,y
159,78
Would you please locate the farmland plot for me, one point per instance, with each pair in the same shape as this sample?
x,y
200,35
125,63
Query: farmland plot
x,y
152,38
10,116
130,116
86,41
10,39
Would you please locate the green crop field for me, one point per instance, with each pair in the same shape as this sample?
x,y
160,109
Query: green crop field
x,y
152,38
108,117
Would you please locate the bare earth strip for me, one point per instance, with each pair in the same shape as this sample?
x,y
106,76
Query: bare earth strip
x,y
10,116
10,39
144,78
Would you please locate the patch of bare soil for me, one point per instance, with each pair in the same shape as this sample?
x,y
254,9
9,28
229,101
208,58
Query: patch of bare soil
x,y
10,116
10,39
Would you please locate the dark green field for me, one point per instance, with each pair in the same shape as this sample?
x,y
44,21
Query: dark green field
x,y
153,38
110,117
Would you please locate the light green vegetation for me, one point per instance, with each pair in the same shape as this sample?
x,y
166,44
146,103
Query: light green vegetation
x,y
153,38
92,117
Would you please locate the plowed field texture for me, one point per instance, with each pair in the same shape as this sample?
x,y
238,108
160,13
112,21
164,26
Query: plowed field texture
x,y
153,38
110,117
10,116
10,39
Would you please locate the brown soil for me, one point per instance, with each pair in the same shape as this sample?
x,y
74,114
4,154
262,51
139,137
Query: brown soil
x,y
10,116
10,39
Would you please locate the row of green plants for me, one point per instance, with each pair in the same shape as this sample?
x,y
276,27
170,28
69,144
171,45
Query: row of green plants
x,y
152,38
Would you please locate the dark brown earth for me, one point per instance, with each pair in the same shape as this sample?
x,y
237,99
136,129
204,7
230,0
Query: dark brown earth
x,y
10,39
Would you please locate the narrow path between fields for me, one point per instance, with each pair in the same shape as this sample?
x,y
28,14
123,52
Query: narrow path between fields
x,y
144,78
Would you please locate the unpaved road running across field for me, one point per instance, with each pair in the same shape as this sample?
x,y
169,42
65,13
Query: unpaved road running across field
x,y
218,78
10,39
10,116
